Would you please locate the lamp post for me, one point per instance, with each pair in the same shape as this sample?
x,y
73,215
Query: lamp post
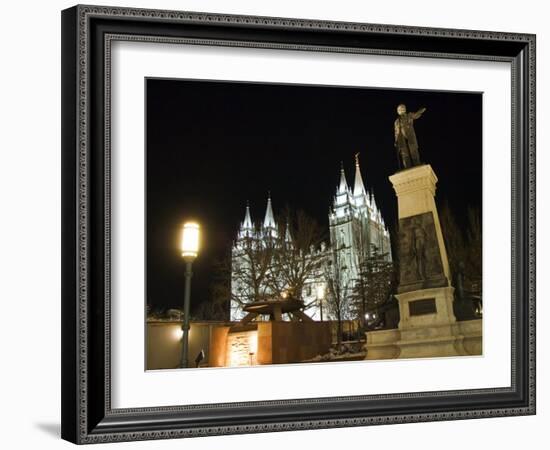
x,y
320,297
189,251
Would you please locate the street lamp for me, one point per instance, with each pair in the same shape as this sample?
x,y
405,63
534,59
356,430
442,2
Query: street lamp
x,y
320,297
189,251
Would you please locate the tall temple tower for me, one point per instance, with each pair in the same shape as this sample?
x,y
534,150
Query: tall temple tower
x,y
356,224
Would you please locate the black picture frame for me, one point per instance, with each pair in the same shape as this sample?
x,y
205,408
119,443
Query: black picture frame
x,y
87,415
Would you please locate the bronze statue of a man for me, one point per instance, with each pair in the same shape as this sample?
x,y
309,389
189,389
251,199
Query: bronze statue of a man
x,y
405,137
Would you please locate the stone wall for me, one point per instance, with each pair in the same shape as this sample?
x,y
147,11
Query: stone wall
x,y
218,346
269,343
298,341
230,345
164,343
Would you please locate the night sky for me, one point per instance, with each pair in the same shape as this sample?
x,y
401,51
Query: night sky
x,y
211,146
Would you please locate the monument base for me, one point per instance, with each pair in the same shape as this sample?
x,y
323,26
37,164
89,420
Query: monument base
x,y
431,342
428,325
382,344
457,339
426,307
427,329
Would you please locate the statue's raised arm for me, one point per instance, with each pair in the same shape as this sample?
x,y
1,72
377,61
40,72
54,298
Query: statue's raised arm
x,y
418,113
405,137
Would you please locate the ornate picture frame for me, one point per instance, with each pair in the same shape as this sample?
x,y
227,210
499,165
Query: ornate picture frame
x,y
87,35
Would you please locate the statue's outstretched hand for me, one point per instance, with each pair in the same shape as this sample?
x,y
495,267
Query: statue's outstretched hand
x,y
418,113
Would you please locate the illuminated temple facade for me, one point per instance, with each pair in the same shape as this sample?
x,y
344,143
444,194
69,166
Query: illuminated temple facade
x,y
356,225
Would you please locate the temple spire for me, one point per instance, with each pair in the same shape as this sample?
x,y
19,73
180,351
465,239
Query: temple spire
x,y
375,207
343,187
247,227
269,220
359,187
247,224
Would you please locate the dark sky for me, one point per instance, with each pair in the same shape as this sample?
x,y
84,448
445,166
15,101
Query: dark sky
x,y
211,146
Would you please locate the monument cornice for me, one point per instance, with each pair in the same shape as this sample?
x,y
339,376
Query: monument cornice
x,y
414,179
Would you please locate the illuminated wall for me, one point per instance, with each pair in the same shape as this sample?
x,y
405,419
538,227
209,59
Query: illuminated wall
x,y
227,345
164,342
241,349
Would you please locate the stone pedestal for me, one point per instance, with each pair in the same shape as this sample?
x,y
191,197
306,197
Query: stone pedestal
x,y
427,326
460,338
422,255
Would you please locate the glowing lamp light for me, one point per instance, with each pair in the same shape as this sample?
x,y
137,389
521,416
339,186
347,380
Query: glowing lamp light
x,y
190,240
178,334
189,251
321,291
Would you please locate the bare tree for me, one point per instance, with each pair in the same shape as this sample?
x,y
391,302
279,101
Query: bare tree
x,y
462,247
338,290
241,278
375,282
251,271
296,258
360,287
453,237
